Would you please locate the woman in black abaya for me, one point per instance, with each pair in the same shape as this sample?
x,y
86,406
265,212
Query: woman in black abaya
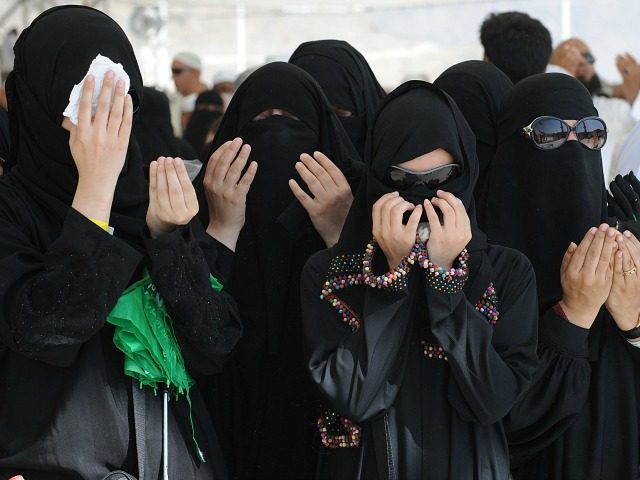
x,y
417,373
264,397
79,224
580,419
479,88
208,109
347,80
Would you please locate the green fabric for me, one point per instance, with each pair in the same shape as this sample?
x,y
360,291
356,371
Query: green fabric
x,y
144,333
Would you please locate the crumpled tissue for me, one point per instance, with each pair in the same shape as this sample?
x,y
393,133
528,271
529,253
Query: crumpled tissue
x,y
98,68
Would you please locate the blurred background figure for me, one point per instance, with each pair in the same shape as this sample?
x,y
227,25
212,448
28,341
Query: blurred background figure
x,y
224,84
516,43
185,71
199,131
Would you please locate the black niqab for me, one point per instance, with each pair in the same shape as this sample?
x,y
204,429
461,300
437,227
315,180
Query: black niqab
x,y
207,110
37,93
540,201
264,394
154,133
347,81
479,88
5,141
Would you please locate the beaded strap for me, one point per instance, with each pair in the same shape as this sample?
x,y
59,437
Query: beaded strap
x,y
446,280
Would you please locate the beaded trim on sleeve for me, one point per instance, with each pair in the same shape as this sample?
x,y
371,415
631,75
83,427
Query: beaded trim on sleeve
x,y
395,279
443,280
337,431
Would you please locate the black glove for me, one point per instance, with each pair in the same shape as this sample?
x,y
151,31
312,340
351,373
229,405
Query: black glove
x,y
625,202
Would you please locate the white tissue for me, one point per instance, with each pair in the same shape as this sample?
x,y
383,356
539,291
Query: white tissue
x,y
99,66
423,231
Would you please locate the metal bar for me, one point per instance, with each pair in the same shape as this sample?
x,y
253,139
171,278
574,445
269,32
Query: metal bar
x,y
165,436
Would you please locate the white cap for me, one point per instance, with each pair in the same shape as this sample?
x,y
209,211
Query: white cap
x,y
189,59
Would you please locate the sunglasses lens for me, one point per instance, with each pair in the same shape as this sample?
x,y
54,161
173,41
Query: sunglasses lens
x,y
549,133
592,133
432,179
177,71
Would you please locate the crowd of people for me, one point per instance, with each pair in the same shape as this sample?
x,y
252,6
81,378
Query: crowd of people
x,y
336,281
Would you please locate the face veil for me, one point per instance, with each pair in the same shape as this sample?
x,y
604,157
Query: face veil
x,y
540,201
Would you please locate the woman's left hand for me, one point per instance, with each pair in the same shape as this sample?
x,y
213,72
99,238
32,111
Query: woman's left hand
x,y
172,198
624,299
332,197
448,239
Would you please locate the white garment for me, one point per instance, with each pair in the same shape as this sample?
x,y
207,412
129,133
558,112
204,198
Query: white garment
x,y
628,159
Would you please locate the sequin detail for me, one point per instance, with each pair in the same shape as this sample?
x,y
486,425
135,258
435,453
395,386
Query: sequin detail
x,y
337,431
488,305
434,351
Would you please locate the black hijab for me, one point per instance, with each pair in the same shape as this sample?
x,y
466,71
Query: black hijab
x,y
38,90
347,81
479,88
207,110
153,130
540,201
278,236
414,119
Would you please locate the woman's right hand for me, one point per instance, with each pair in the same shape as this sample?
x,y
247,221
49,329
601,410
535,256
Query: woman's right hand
x,y
394,238
227,192
586,275
99,145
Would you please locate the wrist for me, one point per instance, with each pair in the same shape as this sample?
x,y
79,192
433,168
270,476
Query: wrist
x,y
580,317
93,202
226,235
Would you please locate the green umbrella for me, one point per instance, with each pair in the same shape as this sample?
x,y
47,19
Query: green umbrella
x,y
152,356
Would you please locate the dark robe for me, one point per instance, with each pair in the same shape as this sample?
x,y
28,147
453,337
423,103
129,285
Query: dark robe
x,y
580,418
424,376
347,81
66,409
207,110
479,88
263,403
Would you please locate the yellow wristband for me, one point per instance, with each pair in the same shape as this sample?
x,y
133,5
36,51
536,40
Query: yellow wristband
x,y
101,223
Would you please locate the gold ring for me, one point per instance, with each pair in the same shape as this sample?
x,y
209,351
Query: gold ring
x,y
630,272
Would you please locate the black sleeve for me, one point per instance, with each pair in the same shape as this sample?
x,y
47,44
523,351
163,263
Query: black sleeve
x,y
53,301
219,257
206,322
358,373
491,366
558,392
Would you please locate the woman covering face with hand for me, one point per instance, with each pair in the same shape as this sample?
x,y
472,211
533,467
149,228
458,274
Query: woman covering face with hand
x,y
419,349
548,200
296,205
79,224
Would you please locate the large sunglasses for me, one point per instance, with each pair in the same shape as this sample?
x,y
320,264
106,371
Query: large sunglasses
x,y
177,71
549,133
403,178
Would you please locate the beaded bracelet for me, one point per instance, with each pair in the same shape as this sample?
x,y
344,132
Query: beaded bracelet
x,y
446,280
395,279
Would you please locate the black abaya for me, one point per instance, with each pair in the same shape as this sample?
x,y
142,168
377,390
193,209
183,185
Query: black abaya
x,y
263,402
580,419
65,404
426,375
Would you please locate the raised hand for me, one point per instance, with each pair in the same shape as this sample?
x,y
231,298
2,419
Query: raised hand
x,y
448,239
394,238
226,190
172,198
567,57
623,302
586,275
331,195
99,145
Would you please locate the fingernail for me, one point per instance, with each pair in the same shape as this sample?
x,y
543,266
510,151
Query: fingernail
x,y
604,227
593,230
120,84
627,233
611,232
110,74
90,78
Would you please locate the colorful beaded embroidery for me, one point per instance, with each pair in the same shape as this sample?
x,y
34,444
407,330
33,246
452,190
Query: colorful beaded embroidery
x,y
337,431
488,305
434,351
395,279
443,280
344,271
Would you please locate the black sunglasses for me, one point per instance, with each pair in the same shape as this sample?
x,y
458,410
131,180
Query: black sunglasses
x,y
403,178
549,133
589,58
178,71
